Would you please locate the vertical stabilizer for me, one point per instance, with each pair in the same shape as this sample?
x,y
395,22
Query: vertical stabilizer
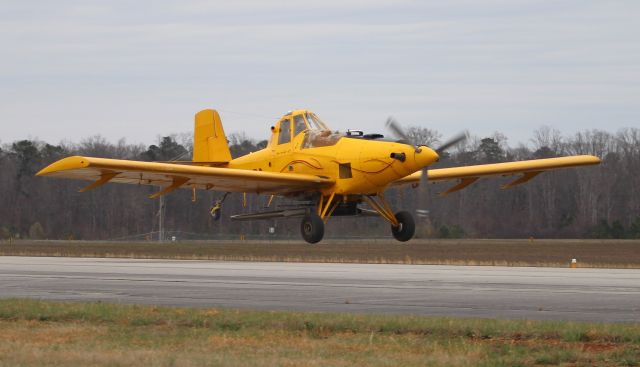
x,y
209,141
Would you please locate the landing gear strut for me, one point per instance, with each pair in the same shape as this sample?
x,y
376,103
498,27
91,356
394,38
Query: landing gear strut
x,y
403,227
312,226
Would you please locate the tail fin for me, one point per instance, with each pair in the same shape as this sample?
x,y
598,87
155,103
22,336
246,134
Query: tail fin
x,y
209,142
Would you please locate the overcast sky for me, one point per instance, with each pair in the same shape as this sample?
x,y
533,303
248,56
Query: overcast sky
x,y
140,69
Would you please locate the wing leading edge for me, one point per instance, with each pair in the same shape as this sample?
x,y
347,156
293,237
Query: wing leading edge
x,y
526,169
172,176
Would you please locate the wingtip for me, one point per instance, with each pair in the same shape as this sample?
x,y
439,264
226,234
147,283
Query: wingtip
x,y
592,159
63,165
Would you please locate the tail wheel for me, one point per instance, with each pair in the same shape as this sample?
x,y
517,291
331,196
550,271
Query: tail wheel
x,y
312,228
216,210
406,227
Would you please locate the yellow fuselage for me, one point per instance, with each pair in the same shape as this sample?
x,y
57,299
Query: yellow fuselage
x,y
367,165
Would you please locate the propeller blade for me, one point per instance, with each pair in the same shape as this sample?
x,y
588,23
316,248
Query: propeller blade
x,y
455,140
423,194
397,130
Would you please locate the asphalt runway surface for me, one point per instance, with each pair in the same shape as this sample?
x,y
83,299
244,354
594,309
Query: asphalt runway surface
x,y
463,291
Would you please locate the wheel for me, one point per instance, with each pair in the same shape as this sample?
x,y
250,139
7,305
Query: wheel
x,y
216,211
406,228
312,228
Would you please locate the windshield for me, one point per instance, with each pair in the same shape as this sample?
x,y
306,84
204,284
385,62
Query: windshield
x,y
315,123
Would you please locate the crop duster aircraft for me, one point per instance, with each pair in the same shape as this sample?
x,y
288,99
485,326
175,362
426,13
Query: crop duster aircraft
x,y
330,173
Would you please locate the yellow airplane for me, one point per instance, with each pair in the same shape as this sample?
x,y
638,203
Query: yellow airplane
x,y
329,172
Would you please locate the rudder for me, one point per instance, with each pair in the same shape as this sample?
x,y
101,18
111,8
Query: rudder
x,y
209,141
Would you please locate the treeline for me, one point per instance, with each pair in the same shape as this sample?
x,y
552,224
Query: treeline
x,y
591,202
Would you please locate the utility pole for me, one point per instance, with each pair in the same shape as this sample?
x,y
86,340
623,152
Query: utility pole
x,y
161,219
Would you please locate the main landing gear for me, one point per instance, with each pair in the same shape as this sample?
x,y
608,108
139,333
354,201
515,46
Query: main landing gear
x,y
314,218
403,226
406,227
312,228
312,225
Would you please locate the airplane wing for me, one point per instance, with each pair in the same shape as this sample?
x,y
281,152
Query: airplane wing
x,y
526,170
171,176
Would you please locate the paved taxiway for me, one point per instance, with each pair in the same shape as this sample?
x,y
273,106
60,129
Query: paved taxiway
x,y
532,293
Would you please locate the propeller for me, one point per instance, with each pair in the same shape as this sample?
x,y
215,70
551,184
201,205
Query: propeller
x,y
398,131
423,194
453,141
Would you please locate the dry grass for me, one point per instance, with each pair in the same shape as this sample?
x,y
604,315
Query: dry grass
x,y
89,334
557,253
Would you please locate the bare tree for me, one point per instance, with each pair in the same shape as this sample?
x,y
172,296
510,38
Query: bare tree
x,y
424,136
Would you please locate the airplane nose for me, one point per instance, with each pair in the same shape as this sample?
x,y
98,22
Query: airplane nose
x,y
425,156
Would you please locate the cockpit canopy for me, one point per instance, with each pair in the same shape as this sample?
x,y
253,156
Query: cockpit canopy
x,y
316,132
307,120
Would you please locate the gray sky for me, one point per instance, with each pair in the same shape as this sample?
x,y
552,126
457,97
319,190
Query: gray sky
x,y
139,69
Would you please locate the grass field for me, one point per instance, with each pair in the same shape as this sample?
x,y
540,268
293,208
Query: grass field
x,y
93,334
558,253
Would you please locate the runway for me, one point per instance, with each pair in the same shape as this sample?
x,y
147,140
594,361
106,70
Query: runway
x,y
466,291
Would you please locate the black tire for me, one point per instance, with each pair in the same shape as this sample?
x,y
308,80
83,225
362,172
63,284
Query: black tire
x,y
312,228
407,228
